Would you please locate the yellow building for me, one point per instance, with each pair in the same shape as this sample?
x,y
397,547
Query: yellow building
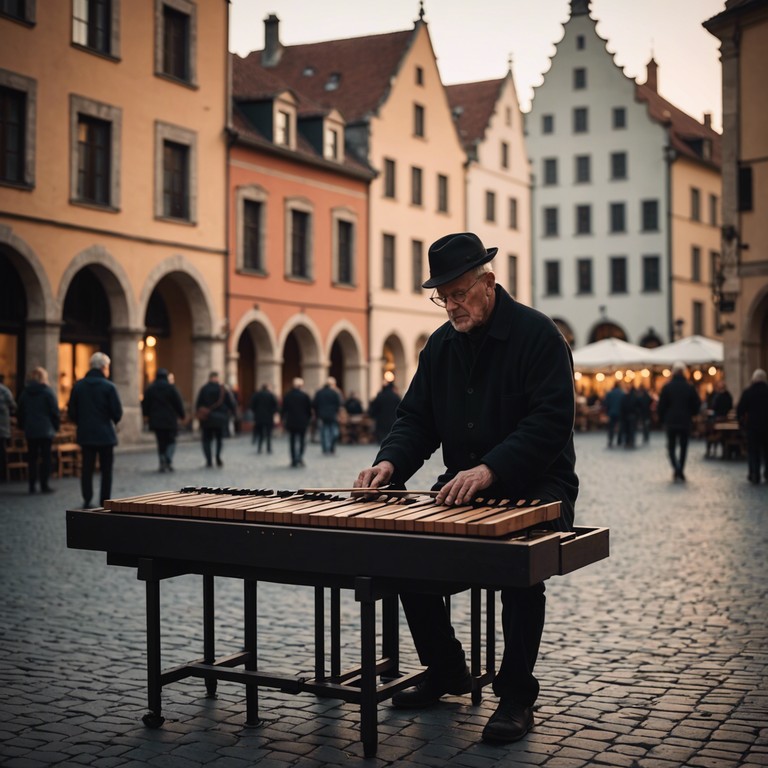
x,y
113,191
742,283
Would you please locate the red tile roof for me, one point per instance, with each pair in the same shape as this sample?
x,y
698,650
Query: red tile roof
x,y
472,105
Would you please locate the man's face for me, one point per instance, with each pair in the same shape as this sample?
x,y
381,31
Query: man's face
x,y
469,300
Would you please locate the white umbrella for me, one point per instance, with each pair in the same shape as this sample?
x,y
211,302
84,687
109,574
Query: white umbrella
x,y
610,353
692,350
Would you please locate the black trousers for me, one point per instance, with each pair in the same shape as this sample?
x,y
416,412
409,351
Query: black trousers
x,y
106,457
211,435
677,437
166,444
297,441
262,433
522,620
39,452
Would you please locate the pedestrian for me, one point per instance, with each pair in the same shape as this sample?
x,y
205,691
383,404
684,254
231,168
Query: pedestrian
x,y
722,401
383,410
752,412
264,406
613,408
95,407
40,419
630,413
644,403
296,414
214,406
494,387
326,405
354,409
163,408
678,404
7,409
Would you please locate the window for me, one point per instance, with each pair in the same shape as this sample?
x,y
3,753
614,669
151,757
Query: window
x,y
512,284
580,120
618,165
651,274
344,250
619,115
714,205
513,213
388,262
250,209
389,178
696,263
176,39
442,193
419,76
698,318
618,215
549,171
21,10
583,173
579,78
332,144
552,278
283,128
583,219
580,42
508,116
550,222
175,173
418,120
745,188
95,152
18,106
95,25
583,276
547,123
504,154
695,204
416,175
298,240
650,215
618,274
490,206
417,265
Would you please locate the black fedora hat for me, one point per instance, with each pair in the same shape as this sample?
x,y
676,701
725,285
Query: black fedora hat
x,y
453,255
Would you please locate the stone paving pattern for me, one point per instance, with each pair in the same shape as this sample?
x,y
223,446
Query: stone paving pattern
x,y
654,658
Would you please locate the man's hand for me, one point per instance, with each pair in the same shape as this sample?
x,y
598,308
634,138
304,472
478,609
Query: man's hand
x,y
375,477
465,486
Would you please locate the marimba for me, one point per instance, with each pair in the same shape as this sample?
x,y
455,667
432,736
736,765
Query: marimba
x,y
377,545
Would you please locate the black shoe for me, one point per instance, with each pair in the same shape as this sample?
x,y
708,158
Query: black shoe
x,y
219,462
431,688
510,722
47,489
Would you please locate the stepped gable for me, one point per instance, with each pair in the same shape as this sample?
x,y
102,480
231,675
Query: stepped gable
x,y
472,105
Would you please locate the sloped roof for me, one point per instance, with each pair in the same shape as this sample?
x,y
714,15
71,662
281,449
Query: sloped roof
x,y
686,133
362,66
472,105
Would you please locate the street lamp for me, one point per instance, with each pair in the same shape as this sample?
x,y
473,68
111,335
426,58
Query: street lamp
x,y
679,328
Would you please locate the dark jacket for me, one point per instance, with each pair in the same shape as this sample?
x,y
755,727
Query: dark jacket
x,y
678,403
752,409
722,402
383,410
511,409
296,410
264,407
353,406
327,403
162,404
38,412
95,407
221,402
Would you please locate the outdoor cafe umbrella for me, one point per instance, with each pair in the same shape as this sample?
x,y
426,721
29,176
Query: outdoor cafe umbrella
x,y
692,350
610,353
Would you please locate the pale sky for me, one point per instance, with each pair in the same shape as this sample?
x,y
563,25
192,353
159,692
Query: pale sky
x,y
474,38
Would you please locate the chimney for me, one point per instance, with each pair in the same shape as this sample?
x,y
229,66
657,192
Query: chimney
x,y
580,7
273,50
651,79
708,119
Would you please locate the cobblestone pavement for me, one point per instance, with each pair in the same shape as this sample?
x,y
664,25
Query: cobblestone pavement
x,y
653,658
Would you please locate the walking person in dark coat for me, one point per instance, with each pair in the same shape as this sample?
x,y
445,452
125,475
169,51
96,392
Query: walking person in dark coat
x,y
39,418
297,413
630,413
494,387
613,407
354,409
7,409
752,412
264,407
163,408
383,410
326,404
678,404
214,405
95,407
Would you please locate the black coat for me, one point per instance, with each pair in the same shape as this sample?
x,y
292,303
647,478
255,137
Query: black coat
x,y
162,405
95,407
511,409
297,410
221,402
678,403
38,411
752,409
264,407
327,403
383,410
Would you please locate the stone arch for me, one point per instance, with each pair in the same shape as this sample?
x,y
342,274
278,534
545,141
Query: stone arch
x,y
756,334
607,329
350,369
566,329
393,362
256,329
41,303
302,331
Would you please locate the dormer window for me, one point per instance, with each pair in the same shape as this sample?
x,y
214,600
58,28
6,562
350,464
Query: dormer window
x,y
308,71
331,144
333,82
283,128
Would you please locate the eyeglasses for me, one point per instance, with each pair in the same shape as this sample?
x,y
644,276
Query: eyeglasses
x,y
458,297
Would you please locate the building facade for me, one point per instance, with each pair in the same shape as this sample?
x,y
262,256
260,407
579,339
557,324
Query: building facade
x,y
113,192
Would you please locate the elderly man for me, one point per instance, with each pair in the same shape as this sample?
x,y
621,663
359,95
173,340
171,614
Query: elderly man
x,y
752,412
494,387
95,407
678,404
